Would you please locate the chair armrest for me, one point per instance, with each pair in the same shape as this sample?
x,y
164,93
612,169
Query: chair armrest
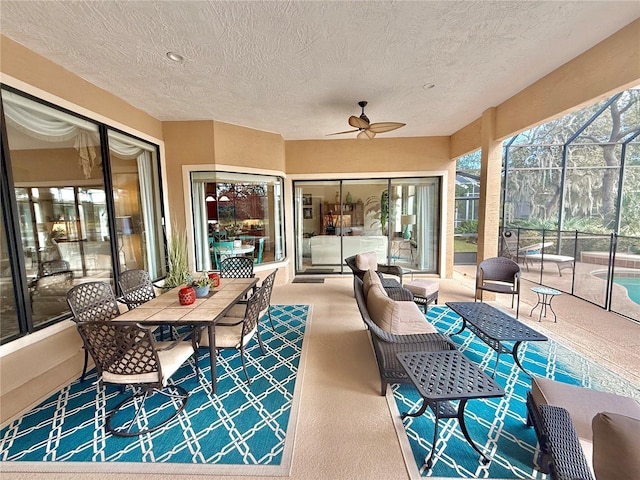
x,y
399,294
391,270
567,458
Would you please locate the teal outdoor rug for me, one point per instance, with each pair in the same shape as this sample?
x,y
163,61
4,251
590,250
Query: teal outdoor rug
x,y
496,425
243,430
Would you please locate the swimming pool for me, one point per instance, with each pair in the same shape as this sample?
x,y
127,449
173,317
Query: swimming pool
x,y
632,284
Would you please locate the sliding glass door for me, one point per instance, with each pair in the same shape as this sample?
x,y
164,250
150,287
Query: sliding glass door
x,y
399,219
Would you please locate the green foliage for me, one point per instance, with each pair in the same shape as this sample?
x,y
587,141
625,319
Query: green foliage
x,y
178,265
470,226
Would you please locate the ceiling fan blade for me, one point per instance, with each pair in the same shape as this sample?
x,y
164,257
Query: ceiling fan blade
x,y
366,134
381,127
340,133
357,122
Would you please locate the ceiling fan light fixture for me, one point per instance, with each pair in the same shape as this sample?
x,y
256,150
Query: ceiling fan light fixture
x,y
365,128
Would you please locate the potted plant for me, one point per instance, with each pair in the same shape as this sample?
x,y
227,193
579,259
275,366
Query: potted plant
x,y
202,286
178,265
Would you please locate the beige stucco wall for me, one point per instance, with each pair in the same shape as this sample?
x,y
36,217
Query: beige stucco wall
x,y
353,158
36,71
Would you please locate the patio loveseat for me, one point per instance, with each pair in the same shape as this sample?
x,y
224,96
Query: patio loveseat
x,y
395,326
584,434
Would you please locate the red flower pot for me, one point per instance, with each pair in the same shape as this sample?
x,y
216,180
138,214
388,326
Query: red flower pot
x,y
187,295
215,279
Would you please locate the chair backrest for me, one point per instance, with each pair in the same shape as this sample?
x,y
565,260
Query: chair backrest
x,y
53,266
221,235
510,242
136,287
236,267
267,288
260,250
221,250
124,353
92,301
252,313
499,269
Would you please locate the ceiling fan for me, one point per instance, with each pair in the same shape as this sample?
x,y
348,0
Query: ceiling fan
x,y
367,129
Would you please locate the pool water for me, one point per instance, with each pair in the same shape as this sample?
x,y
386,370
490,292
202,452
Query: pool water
x,y
632,284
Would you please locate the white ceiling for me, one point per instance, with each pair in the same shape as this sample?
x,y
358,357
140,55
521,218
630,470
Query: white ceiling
x,y
298,68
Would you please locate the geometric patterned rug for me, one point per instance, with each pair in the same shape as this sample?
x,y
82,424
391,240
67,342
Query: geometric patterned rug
x,y
496,425
243,430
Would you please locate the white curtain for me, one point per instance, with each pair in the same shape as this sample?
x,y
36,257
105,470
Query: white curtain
x,y
299,223
44,123
424,228
149,234
200,226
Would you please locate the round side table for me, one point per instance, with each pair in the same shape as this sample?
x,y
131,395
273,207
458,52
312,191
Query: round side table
x,y
545,295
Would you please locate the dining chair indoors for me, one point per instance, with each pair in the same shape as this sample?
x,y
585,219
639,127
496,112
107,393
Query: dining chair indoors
x,y
91,302
236,333
499,275
258,256
221,251
236,267
127,354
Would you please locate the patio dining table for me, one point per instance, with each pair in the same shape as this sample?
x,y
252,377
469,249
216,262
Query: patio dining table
x,y
205,312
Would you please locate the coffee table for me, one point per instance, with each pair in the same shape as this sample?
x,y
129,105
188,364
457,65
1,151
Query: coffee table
x,y
494,327
442,377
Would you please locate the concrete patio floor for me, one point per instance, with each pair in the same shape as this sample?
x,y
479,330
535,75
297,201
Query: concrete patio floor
x,y
608,338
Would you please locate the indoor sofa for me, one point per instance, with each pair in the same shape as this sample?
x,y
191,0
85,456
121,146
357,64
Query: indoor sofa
x,y
584,434
325,249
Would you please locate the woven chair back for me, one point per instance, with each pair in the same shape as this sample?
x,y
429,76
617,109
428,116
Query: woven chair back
x,y
499,269
122,349
136,287
267,288
92,301
236,267
252,312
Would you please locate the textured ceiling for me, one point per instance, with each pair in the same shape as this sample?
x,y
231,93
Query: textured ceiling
x,y
298,68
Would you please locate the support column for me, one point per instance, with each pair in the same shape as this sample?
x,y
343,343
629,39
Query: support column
x,y
490,188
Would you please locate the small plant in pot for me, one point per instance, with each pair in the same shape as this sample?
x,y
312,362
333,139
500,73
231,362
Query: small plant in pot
x,y
202,286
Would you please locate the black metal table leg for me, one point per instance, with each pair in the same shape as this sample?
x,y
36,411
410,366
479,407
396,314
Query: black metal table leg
x,y
463,427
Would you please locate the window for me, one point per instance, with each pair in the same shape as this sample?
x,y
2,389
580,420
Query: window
x,y
243,208
72,222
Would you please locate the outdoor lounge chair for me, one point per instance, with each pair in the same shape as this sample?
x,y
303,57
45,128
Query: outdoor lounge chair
x,y
499,275
386,345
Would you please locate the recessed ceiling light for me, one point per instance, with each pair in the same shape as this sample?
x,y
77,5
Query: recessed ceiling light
x,y
428,86
175,57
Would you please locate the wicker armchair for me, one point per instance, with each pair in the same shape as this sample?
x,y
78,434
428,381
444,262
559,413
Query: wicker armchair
x,y
499,275
387,345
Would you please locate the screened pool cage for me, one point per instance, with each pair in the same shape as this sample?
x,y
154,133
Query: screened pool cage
x,y
572,185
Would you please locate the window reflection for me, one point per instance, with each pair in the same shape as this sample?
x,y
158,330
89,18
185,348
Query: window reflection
x,y
244,209
8,314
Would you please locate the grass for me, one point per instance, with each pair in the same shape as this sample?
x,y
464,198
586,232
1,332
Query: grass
x,y
462,246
